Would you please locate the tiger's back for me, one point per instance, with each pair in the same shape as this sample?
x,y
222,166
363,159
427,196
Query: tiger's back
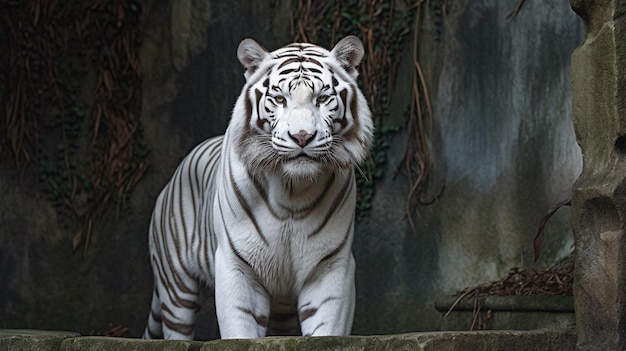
x,y
265,214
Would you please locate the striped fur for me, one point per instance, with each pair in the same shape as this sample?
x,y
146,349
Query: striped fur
x,y
264,215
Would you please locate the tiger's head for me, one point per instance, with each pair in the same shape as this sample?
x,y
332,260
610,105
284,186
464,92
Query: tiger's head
x,y
301,111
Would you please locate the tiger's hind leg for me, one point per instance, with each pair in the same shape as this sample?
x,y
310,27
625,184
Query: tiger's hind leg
x,y
174,301
179,304
154,329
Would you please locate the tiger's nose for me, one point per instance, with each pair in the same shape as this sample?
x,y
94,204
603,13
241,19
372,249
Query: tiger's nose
x,y
302,137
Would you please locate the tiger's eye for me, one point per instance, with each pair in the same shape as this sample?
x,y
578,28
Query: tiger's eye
x,y
322,98
279,99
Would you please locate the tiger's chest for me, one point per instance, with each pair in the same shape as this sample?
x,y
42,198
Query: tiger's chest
x,y
283,232
287,260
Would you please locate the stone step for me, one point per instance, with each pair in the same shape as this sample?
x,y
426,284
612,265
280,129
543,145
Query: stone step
x,y
531,340
25,339
507,312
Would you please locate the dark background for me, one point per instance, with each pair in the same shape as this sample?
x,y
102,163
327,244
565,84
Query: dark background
x,y
502,143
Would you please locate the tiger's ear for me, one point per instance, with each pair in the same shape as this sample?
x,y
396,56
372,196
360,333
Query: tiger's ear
x,y
251,54
349,52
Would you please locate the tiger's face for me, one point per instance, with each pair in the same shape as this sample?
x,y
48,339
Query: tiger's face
x,y
304,113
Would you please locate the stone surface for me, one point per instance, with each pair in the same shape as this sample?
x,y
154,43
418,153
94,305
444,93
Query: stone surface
x,y
599,196
543,340
535,340
19,340
95,343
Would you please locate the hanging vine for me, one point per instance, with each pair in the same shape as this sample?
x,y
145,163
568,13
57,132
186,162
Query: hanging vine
x,y
52,48
417,160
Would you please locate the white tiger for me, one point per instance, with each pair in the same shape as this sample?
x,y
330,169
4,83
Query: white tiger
x,y
264,215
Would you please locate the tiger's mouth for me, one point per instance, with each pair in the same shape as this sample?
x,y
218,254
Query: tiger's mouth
x,y
303,166
302,157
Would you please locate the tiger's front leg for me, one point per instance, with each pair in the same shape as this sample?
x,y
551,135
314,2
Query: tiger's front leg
x,y
242,307
326,304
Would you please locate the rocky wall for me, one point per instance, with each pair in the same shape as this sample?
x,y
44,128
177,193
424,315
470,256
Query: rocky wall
x,y
599,196
504,152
